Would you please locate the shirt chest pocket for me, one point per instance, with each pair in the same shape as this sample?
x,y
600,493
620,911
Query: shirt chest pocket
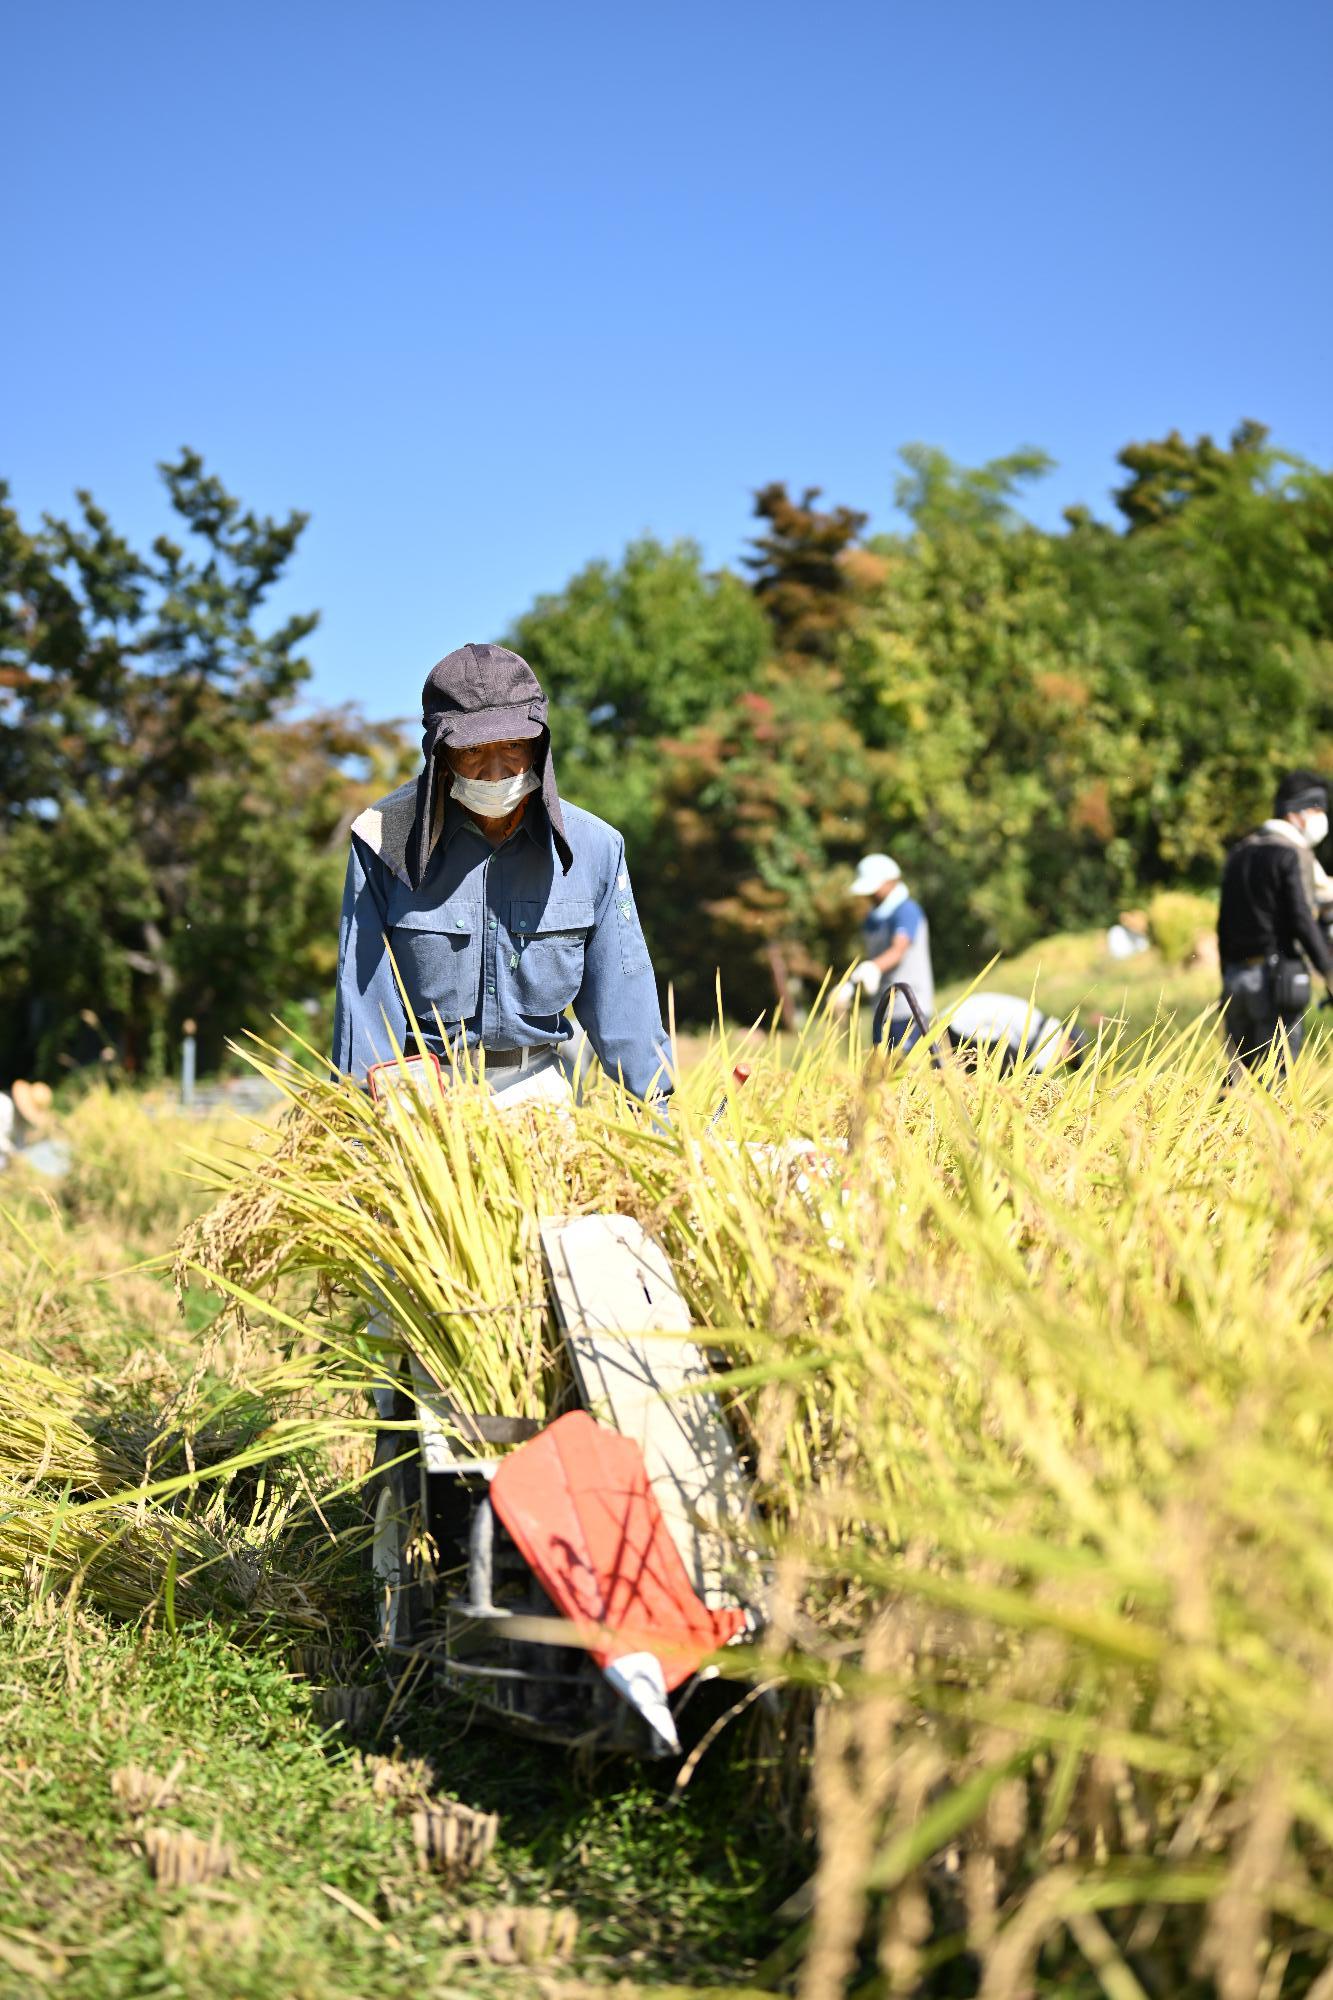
x,y
547,946
438,955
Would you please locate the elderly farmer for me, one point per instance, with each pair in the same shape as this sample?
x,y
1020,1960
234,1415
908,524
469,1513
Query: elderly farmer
x,y
500,905
896,939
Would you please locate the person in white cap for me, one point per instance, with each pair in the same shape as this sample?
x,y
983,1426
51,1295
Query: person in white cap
x,y
896,941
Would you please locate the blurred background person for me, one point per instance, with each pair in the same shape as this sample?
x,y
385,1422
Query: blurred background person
x,y
986,1021
1267,926
1323,899
25,1120
1128,936
32,1104
895,942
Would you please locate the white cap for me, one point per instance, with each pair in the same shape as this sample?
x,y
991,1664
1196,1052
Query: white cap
x,y
872,872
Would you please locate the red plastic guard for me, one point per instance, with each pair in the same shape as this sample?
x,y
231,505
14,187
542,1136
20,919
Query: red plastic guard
x,y
579,1506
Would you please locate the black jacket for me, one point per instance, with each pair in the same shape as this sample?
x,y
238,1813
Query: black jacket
x,y
1267,904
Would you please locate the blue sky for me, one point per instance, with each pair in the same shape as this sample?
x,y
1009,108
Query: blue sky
x,y
490,290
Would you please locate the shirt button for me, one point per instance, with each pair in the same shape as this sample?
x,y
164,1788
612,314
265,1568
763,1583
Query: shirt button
x,y
490,988
491,922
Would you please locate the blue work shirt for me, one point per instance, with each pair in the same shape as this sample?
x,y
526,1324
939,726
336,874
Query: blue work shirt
x,y
495,944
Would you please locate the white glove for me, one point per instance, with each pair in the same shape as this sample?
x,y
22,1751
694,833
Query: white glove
x,y
868,976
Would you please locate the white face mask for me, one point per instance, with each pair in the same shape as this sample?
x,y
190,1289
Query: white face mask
x,y
1315,828
494,798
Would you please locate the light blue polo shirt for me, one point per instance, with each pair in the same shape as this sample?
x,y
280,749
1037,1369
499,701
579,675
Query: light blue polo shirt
x,y
914,969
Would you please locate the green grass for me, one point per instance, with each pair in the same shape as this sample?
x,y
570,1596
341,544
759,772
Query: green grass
x,y
663,1888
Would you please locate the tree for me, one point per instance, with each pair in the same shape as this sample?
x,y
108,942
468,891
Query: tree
x,y
973,675
1217,605
629,655
1067,719
801,574
165,828
761,813
939,495
1167,474
126,671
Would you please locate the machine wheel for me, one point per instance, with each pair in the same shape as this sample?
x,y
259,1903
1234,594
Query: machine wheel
x,y
394,1503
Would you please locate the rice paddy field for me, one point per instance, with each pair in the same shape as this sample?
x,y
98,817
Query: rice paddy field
x,y
1034,1381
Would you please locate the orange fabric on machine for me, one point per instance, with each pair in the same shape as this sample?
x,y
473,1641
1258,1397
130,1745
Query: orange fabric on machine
x,y
577,1501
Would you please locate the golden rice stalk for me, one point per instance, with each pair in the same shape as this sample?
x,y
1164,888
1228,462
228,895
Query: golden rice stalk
x,y
45,1433
1038,1370
425,1218
132,1557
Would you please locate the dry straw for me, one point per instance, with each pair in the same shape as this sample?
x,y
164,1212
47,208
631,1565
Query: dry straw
x,y
529,1934
180,1859
451,1839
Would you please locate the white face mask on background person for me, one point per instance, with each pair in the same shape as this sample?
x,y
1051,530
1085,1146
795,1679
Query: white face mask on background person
x,y
1315,828
493,798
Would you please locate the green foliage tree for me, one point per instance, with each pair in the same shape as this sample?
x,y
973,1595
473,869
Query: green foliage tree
x,y
1168,474
970,674
631,654
1217,614
167,833
1067,719
1042,726
940,496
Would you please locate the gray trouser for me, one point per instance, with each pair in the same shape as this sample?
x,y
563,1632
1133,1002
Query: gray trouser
x,y
1252,1018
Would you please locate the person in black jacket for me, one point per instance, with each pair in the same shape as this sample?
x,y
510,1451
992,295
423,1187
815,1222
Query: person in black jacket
x,y
1267,920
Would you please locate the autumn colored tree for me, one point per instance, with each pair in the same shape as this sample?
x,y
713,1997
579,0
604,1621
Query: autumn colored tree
x,y
801,576
762,811
760,807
